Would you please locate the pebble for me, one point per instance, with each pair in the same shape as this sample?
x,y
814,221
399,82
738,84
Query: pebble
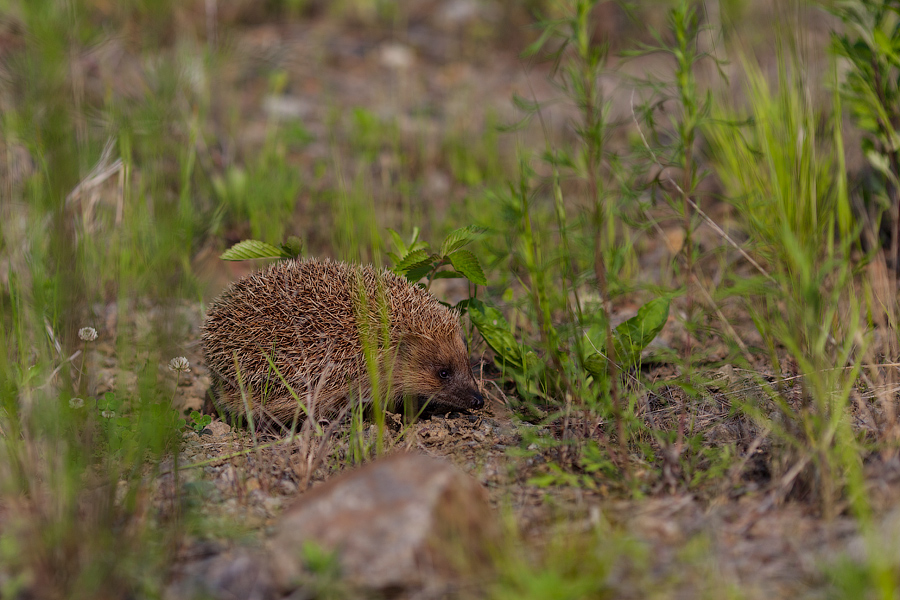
x,y
397,56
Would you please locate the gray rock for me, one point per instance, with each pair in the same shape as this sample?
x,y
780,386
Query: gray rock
x,y
403,522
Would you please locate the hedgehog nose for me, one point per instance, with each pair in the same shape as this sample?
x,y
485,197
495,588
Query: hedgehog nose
x,y
477,400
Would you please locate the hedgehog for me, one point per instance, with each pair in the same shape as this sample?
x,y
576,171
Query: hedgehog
x,y
321,329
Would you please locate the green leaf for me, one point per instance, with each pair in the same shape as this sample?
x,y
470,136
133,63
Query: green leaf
x,y
448,275
251,250
882,164
292,247
410,259
417,272
109,402
632,336
496,332
402,247
415,264
550,30
399,244
883,42
199,420
466,263
595,364
459,238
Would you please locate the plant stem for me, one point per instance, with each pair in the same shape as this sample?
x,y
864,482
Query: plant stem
x,y
593,139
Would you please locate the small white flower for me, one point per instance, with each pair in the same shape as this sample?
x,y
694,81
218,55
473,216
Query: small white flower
x,y
107,414
180,364
76,402
88,334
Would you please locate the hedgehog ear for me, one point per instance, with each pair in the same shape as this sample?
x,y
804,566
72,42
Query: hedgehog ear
x,y
409,340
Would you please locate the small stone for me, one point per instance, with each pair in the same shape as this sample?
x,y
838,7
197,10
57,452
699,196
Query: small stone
x,y
219,428
271,504
286,107
239,574
397,56
459,11
228,476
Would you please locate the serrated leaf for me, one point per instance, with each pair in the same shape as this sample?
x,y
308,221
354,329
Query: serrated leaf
x,y
412,259
632,336
418,271
467,263
459,238
251,250
495,331
448,275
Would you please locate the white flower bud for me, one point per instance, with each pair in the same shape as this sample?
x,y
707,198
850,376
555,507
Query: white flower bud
x,y
180,364
88,334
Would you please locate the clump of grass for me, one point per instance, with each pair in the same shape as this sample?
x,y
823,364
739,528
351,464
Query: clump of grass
x,y
794,207
78,516
77,467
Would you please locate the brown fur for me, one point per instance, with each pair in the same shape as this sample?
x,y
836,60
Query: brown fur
x,y
314,319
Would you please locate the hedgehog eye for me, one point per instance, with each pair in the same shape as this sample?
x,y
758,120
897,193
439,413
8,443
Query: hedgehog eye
x,y
444,373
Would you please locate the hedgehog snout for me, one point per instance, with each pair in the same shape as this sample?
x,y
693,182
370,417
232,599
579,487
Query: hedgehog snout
x,y
477,400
